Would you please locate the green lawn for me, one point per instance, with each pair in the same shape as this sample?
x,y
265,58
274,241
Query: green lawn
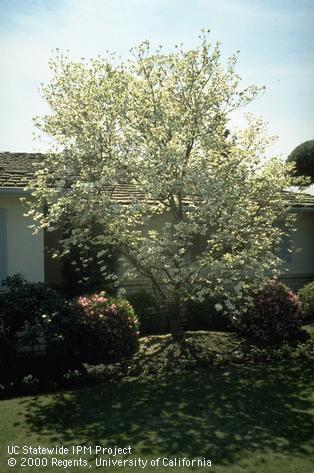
x,y
249,419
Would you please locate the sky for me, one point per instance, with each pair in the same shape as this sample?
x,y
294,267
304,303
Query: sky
x,y
275,39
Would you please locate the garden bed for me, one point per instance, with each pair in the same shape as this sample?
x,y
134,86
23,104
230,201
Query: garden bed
x,y
158,356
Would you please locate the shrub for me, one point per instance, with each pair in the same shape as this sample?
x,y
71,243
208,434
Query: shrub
x,y
7,358
24,306
31,313
63,332
306,295
151,315
274,317
109,330
204,316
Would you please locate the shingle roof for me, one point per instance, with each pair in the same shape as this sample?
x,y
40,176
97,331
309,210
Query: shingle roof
x,y
17,169
304,201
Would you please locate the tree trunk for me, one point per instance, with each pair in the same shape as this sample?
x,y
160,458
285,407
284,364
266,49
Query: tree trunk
x,y
178,334
176,328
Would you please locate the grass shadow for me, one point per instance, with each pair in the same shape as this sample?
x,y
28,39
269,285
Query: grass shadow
x,y
219,414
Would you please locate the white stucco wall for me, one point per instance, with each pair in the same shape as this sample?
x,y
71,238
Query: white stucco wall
x,y
24,251
299,269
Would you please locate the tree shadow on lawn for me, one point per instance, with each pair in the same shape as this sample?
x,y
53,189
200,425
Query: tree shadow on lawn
x,y
220,414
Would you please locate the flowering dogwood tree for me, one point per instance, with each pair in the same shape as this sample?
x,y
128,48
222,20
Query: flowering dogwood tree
x,y
159,124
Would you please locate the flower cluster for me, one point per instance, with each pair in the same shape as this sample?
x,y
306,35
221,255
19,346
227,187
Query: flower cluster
x,y
30,380
275,315
73,377
86,301
110,328
96,303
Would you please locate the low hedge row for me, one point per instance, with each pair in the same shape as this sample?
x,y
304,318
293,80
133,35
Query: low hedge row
x,y
91,329
153,317
101,329
276,315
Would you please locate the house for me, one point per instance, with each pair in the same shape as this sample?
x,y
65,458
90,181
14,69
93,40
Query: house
x,y
21,251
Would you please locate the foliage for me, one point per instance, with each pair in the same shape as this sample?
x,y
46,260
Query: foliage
x,y
164,358
145,140
153,317
30,383
303,159
109,329
306,295
204,316
80,265
274,317
88,329
73,377
27,305
33,313
63,332
151,314
7,355
170,359
255,353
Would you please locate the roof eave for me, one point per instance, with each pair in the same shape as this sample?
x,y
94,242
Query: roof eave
x,y
14,190
303,209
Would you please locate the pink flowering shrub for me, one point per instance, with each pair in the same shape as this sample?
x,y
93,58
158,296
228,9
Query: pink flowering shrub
x,y
110,328
275,315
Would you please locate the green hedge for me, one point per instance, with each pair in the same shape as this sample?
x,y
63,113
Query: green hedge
x,y
306,295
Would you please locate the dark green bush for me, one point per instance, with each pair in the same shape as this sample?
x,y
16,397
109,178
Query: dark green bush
x,y
63,332
152,316
91,329
108,329
275,316
303,158
33,313
7,358
204,316
25,306
306,295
